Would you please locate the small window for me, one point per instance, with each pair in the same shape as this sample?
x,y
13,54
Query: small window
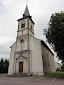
x,y
18,27
31,27
22,25
47,55
22,41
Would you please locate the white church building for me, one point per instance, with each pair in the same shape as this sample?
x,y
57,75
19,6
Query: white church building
x,y
29,54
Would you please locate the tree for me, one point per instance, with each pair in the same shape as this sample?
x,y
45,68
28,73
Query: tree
x,y
6,63
55,34
4,66
62,66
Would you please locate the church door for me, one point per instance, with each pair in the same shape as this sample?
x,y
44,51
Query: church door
x,y
21,67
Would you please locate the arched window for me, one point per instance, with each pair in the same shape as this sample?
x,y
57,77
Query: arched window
x,y
22,24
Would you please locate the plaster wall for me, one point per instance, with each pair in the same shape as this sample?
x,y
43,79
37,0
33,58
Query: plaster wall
x,y
11,61
21,53
36,57
31,24
27,29
22,32
48,60
22,45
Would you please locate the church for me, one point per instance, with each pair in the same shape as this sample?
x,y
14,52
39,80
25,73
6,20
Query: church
x,y
29,54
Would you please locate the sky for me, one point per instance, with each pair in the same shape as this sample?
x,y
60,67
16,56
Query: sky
x,y
11,10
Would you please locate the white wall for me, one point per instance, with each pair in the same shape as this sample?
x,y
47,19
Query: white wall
x,y
22,46
36,58
26,23
11,61
27,29
48,60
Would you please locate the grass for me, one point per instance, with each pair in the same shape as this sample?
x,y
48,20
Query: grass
x,y
56,74
59,74
3,73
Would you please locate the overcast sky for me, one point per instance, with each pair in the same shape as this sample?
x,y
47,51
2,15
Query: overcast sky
x,y
11,10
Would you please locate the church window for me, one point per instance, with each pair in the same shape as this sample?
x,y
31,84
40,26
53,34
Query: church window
x,y
23,24
47,55
22,41
18,27
31,27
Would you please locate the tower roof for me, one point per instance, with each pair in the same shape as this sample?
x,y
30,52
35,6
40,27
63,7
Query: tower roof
x,y
26,12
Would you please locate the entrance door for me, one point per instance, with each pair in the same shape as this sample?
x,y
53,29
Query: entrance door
x,y
21,67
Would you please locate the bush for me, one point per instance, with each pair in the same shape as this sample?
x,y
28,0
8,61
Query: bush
x,y
57,69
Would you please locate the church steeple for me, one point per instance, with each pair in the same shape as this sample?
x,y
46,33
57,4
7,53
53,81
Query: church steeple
x,y
26,12
26,24
26,15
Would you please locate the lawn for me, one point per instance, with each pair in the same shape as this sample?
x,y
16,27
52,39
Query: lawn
x,y
3,73
56,74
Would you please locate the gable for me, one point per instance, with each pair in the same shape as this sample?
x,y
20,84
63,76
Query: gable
x,y
21,58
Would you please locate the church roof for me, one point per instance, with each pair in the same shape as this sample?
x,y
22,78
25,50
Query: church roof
x,y
26,17
26,12
46,46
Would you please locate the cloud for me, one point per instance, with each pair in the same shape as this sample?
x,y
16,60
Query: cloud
x,y
2,8
5,44
1,3
11,10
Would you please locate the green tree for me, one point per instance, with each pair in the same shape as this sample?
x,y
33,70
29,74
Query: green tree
x,y
4,66
6,63
62,66
55,34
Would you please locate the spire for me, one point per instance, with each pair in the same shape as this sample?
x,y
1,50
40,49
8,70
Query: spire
x,y
26,12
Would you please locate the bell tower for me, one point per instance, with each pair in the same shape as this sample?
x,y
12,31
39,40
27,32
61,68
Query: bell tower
x,y
23,48
25,24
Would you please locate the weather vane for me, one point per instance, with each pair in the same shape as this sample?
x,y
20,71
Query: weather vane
x,y
26,2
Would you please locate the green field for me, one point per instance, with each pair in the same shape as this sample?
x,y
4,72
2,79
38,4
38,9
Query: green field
x,y
56,74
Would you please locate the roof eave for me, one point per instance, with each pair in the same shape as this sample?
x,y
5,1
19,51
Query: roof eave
x,y
46,46
26,17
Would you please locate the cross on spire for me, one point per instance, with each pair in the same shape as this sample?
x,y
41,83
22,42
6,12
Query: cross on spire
x,y
26,2
26,12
